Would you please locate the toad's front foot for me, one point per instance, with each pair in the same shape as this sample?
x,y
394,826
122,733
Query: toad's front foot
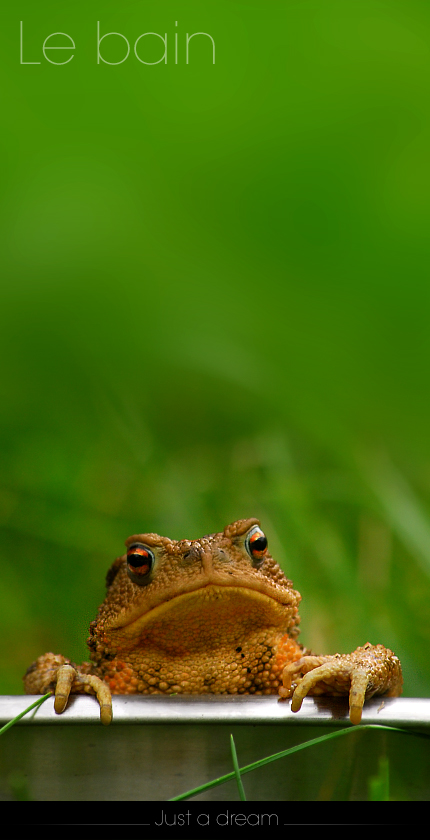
x,y
55,673
371,669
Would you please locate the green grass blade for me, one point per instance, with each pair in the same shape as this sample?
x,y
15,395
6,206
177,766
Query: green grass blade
x,y
237,770
21,714
379,785
276,756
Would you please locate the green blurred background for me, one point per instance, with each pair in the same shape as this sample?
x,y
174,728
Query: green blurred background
x,y
215,304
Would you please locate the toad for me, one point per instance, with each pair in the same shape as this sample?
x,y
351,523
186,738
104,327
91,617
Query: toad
x,y
210,616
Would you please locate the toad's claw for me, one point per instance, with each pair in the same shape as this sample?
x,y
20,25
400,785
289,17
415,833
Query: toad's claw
x,y
310,681
370,670
55,673
67,676
357,694
104,697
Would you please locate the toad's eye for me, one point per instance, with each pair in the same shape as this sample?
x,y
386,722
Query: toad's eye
x,y
256,545
140,562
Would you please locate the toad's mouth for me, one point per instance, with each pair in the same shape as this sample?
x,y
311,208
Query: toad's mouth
x,y
208,607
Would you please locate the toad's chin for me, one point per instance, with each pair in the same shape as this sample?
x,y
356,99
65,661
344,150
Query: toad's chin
x,y
203,614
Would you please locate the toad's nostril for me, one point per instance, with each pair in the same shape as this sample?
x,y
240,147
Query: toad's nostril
x,y
193,554
221,555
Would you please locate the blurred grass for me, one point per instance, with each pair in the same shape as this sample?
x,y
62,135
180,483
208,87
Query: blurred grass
x,y
216,305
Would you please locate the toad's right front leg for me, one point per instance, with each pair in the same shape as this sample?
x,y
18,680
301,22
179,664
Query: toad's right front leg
x,y
52,672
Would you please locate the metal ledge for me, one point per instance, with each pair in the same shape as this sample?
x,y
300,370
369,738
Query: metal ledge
x,y
159,747
212,709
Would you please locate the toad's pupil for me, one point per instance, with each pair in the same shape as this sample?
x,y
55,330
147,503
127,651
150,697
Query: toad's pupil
x,y
259,544
139,558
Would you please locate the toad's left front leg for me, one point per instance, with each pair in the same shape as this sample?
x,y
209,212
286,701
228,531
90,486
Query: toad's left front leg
x,y
371,669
